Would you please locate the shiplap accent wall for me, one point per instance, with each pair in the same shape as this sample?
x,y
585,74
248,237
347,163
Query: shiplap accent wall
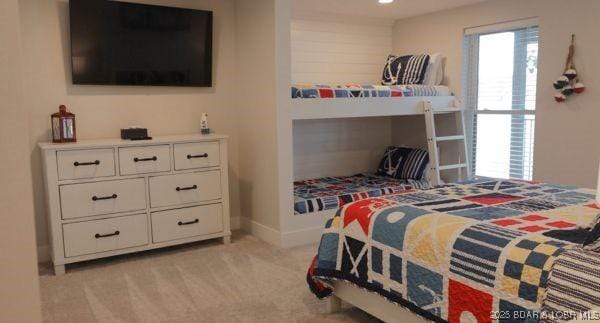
x,y
333,52
338,147
339,53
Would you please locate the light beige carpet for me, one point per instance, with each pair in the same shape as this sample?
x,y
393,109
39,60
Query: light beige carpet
x,y
247,281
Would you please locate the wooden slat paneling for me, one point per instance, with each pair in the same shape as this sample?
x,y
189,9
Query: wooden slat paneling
x,y
341,28
337,53
336,147
328,52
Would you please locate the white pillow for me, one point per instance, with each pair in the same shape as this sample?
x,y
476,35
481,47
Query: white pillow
x,y
435,71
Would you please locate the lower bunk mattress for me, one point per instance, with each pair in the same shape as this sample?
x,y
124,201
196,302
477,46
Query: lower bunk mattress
x,y
326,193
315,91
475,252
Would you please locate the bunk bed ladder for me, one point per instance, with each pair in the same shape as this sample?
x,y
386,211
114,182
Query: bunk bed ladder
x,y
433,140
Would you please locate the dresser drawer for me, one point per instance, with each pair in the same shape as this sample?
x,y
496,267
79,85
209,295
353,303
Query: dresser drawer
x,y
81,200
196,155
185,188
188,222
88,163
83,238
146,159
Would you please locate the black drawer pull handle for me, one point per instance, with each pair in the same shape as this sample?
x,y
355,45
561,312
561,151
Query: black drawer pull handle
x,y
154,158
205,155
188,223
98,235
95,198
186,188
97,162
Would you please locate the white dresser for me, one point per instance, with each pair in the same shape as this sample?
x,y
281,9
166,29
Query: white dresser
x,y
110,197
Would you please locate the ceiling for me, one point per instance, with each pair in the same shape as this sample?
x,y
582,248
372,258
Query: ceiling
x,y
372,9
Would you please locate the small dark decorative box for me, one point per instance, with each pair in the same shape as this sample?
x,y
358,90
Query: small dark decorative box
x,y
135,134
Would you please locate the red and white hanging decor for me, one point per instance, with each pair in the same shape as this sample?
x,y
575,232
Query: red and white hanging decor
x,y
568,83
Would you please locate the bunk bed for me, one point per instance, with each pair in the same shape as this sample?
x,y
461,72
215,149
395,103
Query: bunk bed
x,y
321,197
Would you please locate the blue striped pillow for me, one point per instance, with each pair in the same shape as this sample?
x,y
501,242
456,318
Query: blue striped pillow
x,y
403,163
408,69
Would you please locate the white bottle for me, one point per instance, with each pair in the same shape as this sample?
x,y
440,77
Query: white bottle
x,y
204,129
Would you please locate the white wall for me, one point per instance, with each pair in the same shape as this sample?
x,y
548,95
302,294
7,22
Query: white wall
x,y
566,145
19,299
102,110
260,85
336,51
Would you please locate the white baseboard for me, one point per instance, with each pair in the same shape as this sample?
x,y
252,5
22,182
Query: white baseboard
x,y
43,253
301,237
235,223
261,231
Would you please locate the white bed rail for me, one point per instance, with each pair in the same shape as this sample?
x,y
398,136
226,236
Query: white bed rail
x,y
305,109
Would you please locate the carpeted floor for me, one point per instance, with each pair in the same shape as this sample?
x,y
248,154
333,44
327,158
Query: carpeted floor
x,y
247,281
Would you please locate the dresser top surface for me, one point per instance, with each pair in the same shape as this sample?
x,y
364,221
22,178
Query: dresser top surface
x,y
98,143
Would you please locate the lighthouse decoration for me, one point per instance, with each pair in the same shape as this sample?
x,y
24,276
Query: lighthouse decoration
x,y
63,126
568,83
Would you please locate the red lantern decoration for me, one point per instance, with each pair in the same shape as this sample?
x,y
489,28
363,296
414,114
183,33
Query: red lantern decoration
x,y
63,126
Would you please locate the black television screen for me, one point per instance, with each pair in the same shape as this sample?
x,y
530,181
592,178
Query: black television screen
x,y
121,43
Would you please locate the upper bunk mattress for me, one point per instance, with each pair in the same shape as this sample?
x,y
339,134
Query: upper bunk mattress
x,y
326,193
315,91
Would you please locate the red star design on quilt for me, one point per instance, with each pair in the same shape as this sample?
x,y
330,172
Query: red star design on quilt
x,y
362,211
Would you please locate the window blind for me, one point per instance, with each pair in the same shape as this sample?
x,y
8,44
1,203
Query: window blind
x,y
499,91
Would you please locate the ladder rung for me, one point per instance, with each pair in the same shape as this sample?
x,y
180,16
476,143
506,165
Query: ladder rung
x,y
449,138
446,110
454,166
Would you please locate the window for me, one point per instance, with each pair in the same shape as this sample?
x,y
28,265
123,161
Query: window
x,y
500,77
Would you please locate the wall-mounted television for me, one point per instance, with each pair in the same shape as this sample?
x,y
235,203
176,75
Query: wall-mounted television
x,y
122,43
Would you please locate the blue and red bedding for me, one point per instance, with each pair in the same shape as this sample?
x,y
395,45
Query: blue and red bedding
x,y
327,193
479,251
315,91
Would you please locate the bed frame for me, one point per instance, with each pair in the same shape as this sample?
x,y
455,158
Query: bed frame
x,y
305,109
369,302
310,226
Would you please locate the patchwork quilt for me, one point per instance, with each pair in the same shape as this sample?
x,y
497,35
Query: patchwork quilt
x,y
473,252
327,193
315,91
